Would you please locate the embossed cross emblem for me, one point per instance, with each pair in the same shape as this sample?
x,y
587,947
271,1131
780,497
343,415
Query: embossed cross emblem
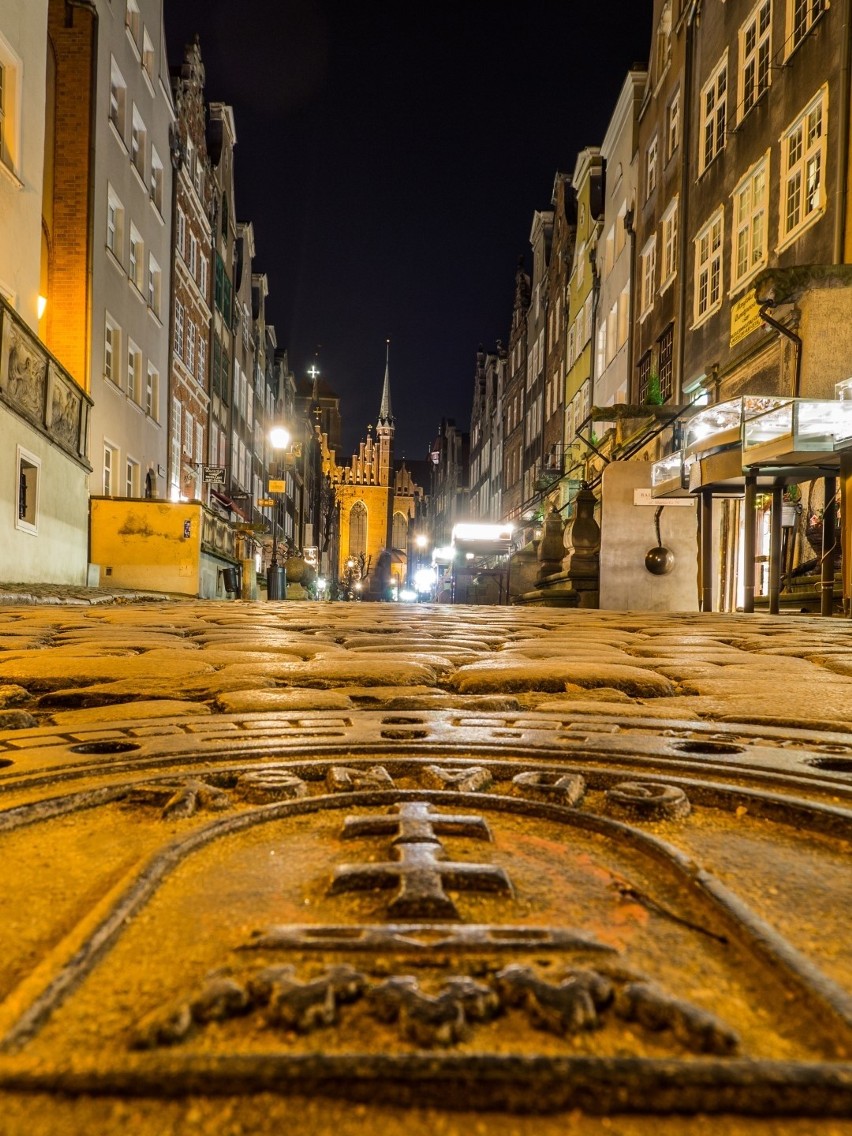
x,y
420,869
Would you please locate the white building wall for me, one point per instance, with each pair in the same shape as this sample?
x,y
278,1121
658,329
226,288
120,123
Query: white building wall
x,y
121,418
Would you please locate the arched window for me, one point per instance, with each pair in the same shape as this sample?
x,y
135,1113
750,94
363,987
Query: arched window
x,y
358,529
399,536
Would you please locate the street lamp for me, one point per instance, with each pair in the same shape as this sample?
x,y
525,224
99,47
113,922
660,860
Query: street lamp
x,y
276,583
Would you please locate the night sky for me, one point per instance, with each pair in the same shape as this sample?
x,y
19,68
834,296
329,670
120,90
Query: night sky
x,y
391,156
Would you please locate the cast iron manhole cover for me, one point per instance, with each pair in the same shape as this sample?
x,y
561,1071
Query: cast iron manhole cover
x,y
505,911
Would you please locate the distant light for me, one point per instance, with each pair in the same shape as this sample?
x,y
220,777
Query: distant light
x,y
279,438
407,595
421,540
469,556
358,585
443,555
321,583
41,304
482,532
424,578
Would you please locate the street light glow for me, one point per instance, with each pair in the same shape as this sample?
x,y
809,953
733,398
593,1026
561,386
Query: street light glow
x,y
279,438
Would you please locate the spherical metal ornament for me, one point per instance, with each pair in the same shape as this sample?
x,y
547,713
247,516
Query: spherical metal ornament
x,y
659,561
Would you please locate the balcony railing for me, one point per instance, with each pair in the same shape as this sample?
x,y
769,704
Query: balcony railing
x,y
36,387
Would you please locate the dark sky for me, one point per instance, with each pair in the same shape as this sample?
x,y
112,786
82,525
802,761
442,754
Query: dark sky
x,y
391,156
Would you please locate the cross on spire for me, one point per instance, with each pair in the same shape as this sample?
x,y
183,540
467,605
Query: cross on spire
x,y
421,868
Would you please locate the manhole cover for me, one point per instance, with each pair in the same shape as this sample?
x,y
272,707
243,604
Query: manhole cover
x,y
508,912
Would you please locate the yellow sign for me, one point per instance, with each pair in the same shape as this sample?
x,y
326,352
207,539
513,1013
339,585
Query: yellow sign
x,y
277,486
264,502
745,317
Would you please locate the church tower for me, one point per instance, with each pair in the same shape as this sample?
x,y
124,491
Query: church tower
x,y
385,430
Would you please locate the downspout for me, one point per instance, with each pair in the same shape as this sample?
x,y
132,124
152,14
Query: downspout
x,y
845,85
177,157
690,17
631,300
794,339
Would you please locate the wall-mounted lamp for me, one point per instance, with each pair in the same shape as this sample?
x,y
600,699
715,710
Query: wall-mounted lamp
x,y
41,304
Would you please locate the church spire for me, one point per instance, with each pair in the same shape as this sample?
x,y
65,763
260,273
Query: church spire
x,y
385,412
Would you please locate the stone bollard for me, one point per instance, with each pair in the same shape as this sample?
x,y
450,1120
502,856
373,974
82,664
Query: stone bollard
x,y
551,548
583,562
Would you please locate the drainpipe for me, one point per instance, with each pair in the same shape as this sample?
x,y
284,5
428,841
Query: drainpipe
x,y
631,300
683,200
843,102
794,339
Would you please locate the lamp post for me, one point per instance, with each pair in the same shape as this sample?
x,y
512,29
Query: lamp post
x,y
276,581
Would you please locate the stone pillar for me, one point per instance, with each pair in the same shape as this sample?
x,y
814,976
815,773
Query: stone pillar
x,y
583,563
551,548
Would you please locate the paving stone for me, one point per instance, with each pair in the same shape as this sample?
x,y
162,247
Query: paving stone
x,y
633,709
44,670
494,675
124,711
251,701
16,720
12,695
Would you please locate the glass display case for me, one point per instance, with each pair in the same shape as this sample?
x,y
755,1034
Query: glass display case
x,y
796,431
667,477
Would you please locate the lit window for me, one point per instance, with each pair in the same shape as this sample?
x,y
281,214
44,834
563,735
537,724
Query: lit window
x,y
193,255
201,373
754,55
669,242
131,478
803,168
647,273
202,278
750,236
174,443
714,112
708,267
181,232
188,432
190,347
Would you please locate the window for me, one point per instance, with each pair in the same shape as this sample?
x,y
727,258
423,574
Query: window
x,y
713,110
137,258
669,242
755,35
117,100
133,22
358,529
115,225
647,272
131,478
644,374
152,393
623,315
174,443
178,329
663,46
11,75
29,475
193,255
155,283
399,531
665,354
199,442
708,267
190,347
188,432
181,232
112,352
134,372
651,168
110,469
202,278
673,125
201,372
138,135
750,236
156,180
803,168
148,56
801,17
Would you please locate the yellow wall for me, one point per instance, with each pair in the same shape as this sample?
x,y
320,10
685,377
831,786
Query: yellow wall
x,y
144,544
375,498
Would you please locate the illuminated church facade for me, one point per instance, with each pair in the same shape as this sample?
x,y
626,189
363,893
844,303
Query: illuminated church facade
x,y
379,502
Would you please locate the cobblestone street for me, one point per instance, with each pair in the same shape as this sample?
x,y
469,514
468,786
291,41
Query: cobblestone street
x,y
163,761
